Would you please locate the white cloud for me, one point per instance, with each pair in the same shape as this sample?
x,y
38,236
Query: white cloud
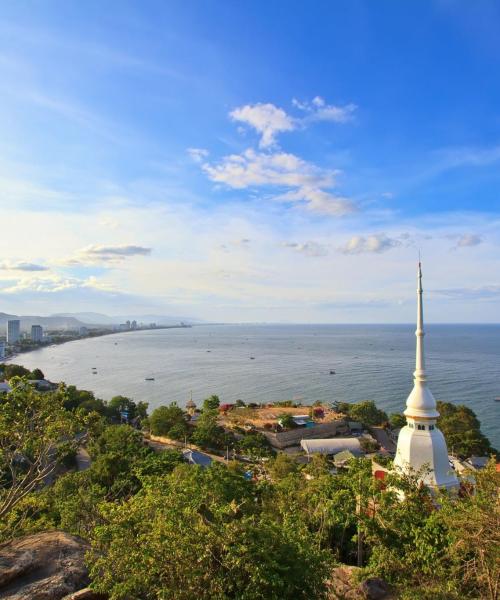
x,y
198,154
313,249
320,201
377,243
52,284
319,110
267,119
282,170
21,266
95,254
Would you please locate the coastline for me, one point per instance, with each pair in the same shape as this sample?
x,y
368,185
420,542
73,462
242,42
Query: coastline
x,y
97,334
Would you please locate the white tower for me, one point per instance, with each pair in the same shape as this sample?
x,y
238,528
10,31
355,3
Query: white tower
x,y
421,443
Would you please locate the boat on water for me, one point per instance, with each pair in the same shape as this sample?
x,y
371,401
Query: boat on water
x,y
332,372
149,378
497,399
252,358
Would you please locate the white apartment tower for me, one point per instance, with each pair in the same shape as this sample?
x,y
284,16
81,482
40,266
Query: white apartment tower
x,y
13,331
421,445
36,333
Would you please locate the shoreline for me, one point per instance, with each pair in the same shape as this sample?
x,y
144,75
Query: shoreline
x,y
101,333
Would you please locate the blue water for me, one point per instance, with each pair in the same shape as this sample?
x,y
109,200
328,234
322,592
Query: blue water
x,y
373,362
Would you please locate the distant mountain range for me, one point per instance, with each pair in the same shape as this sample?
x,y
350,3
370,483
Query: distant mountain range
x,y
77,320
52,322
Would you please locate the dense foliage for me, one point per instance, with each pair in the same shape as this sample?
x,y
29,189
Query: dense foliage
x,y
161,529
168,421
365,412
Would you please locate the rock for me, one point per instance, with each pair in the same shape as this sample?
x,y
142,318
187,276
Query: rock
x,y
344,585
374,588
44,566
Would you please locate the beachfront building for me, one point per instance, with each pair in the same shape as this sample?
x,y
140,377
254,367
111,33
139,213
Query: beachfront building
x,y
36,333
421,445
2,350
13,331
331,447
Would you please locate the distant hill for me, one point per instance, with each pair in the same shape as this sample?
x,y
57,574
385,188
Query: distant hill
x,y
93,318
52,322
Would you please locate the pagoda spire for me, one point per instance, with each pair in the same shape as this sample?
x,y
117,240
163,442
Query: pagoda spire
x,y
421,445
419,374
421,402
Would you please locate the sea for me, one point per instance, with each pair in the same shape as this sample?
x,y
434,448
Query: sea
x,y
264,363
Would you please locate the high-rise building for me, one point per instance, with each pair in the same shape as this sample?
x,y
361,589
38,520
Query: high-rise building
x,y
133,325
2,350
421,445
13,331
36,333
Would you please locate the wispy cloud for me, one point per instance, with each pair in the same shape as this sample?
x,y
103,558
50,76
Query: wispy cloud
x,y
96,254
21,266
52,284
467,240
487,292
198,154
376,243
312,249
319,110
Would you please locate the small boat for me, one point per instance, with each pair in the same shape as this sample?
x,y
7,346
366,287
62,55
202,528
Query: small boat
x,y
332,372
497,399
149,378
252,358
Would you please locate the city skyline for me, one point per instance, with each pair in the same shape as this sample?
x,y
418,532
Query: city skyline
x,y
252,162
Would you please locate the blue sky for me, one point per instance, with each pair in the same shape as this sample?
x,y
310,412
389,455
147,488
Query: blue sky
x,y
251,161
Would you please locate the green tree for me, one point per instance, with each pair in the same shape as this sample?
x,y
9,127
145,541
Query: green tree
x,y
37,374
342,407
33,427
367,413
208,433
282,466
254,445
286,421
208,539
462,430
115,454
397,420
211,403
10,371
119,404
164,418
473,530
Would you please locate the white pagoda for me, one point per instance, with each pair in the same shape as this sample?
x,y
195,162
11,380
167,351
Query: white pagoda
x,y
421,445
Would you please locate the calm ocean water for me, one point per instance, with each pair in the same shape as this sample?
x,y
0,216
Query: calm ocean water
x,y
290,362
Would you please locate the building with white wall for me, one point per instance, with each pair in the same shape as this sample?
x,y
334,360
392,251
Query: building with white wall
x,y
421,445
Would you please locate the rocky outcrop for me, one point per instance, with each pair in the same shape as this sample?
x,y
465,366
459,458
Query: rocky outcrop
x,y
44,566
344,584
